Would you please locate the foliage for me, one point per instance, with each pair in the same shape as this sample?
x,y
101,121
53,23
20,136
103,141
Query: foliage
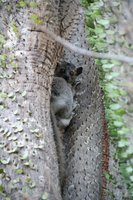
x,y
15,29
101,36
33,4
22,4
36,19
25,3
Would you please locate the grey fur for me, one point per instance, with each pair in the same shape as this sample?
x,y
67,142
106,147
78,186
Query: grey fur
x,y
62,106
62,101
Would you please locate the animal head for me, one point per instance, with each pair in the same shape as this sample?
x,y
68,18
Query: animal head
x,y
68,71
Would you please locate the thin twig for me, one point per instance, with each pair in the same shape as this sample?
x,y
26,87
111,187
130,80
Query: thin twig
x,y
79,50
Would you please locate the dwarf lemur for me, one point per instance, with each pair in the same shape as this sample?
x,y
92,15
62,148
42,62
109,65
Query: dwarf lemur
x,y
62,94
62,104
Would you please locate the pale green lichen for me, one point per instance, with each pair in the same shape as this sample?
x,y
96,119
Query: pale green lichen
x,y
15,29
36,19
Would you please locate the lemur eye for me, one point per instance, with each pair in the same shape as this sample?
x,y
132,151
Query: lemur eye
x,y
71,73
62,70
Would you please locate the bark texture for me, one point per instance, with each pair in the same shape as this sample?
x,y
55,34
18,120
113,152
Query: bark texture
x,y
30,168
83,139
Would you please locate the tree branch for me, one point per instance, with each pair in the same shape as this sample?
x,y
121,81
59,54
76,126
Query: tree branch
x,y
79,50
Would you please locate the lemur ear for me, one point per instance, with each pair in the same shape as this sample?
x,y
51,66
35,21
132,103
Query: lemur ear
x,y
79,70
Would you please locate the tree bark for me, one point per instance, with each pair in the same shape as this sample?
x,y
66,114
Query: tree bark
x,y
28,156
29,160
83,139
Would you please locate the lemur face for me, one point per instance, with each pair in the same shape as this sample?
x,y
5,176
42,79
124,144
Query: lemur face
x,y
68,71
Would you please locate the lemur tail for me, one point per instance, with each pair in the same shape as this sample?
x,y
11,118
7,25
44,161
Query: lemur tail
x,y
59,148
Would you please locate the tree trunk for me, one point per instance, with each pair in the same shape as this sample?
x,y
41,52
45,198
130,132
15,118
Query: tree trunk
x,y
83,139
29,160
29,168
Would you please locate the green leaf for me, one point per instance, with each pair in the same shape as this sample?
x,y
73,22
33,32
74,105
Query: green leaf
x,y
19,171
1,188
108,66
22,4
131,178
15,66
105,61
103,22
95,14
28,179
129,169
123,131
15,28
115,106
130,150
101,46
33,4
120,112
122,143
108,176
36,19
113,94
3,57
1,171
124,155
112,75
109,87
2,40
118,124
122,92
115,62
